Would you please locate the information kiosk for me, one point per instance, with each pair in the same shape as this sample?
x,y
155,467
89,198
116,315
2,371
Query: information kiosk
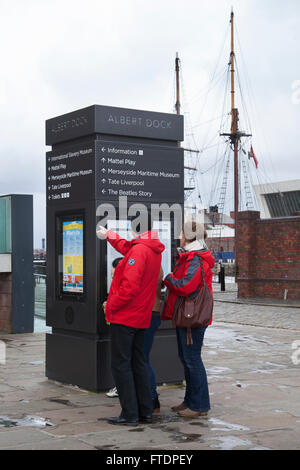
x,y
107,163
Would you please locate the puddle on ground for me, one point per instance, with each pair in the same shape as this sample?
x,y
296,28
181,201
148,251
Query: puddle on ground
x,y
178,436
62,402
227,426
220,338
245,385
197,423
165,419
27,421
277,366
106,447
261,371
217,370
5,422
181,437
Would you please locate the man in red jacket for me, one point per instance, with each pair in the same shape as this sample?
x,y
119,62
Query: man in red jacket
x,y
128,310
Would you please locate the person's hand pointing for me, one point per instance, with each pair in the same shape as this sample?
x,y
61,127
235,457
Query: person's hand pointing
x,y
101,232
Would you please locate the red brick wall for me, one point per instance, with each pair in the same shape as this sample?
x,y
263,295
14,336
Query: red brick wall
x,y
6,302
268,256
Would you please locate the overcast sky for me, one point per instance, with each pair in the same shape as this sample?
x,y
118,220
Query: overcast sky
x,y
61,55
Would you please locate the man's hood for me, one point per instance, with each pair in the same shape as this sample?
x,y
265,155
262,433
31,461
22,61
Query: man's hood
x,y
151,240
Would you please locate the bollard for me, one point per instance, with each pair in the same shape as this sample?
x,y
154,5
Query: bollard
x,y
219,272
222,277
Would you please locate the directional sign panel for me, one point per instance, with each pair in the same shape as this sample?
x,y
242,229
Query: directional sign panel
x,y
105,170
71,174
146,173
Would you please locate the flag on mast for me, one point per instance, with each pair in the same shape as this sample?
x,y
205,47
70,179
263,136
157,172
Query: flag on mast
x,y
251,154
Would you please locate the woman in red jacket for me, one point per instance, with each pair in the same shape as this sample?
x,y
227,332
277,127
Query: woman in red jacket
x,y
186,280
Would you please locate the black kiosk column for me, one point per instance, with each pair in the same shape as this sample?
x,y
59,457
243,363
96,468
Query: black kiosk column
x,y
98,155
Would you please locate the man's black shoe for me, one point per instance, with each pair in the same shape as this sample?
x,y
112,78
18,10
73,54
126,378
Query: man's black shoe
x,y
122,421
145,419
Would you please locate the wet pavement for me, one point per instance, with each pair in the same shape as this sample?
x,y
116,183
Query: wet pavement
x,y
254,381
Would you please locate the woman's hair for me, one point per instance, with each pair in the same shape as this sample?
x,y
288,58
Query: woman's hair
x,y
194,231
116,262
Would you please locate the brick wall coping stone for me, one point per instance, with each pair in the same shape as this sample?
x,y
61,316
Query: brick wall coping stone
x,y
278,219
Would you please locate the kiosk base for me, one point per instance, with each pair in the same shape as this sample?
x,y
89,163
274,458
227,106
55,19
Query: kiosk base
x,y
66,355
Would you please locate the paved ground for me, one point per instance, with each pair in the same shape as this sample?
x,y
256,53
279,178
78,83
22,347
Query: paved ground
x,y
255,312
40,298
254,386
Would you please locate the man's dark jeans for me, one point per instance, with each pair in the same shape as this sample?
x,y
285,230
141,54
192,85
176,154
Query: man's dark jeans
x,y
130,371
148,342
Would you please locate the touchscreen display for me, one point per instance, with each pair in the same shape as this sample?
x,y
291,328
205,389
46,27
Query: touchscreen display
x,y
72,252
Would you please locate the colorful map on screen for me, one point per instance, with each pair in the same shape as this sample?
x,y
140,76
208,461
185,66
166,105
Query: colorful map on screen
x,y
73,256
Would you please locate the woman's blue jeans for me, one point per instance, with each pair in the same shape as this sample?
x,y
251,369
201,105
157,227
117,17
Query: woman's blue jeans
x,y
196,394
148,342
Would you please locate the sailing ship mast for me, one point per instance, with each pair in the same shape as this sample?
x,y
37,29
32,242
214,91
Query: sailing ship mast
x,y
177,105
188,190
235,135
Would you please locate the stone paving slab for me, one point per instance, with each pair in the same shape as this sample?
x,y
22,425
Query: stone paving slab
x,y
48,443
17,437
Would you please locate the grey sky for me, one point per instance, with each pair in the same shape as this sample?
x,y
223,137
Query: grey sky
x,y
61,55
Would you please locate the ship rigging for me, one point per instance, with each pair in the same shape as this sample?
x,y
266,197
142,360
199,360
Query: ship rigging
x,y
230,191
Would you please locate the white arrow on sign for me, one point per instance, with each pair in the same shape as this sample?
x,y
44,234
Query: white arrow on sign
x,y
103,149
103,170
103,160
103,181
103,191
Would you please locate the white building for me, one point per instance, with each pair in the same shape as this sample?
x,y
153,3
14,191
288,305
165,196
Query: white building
x,y
220,231
278,199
